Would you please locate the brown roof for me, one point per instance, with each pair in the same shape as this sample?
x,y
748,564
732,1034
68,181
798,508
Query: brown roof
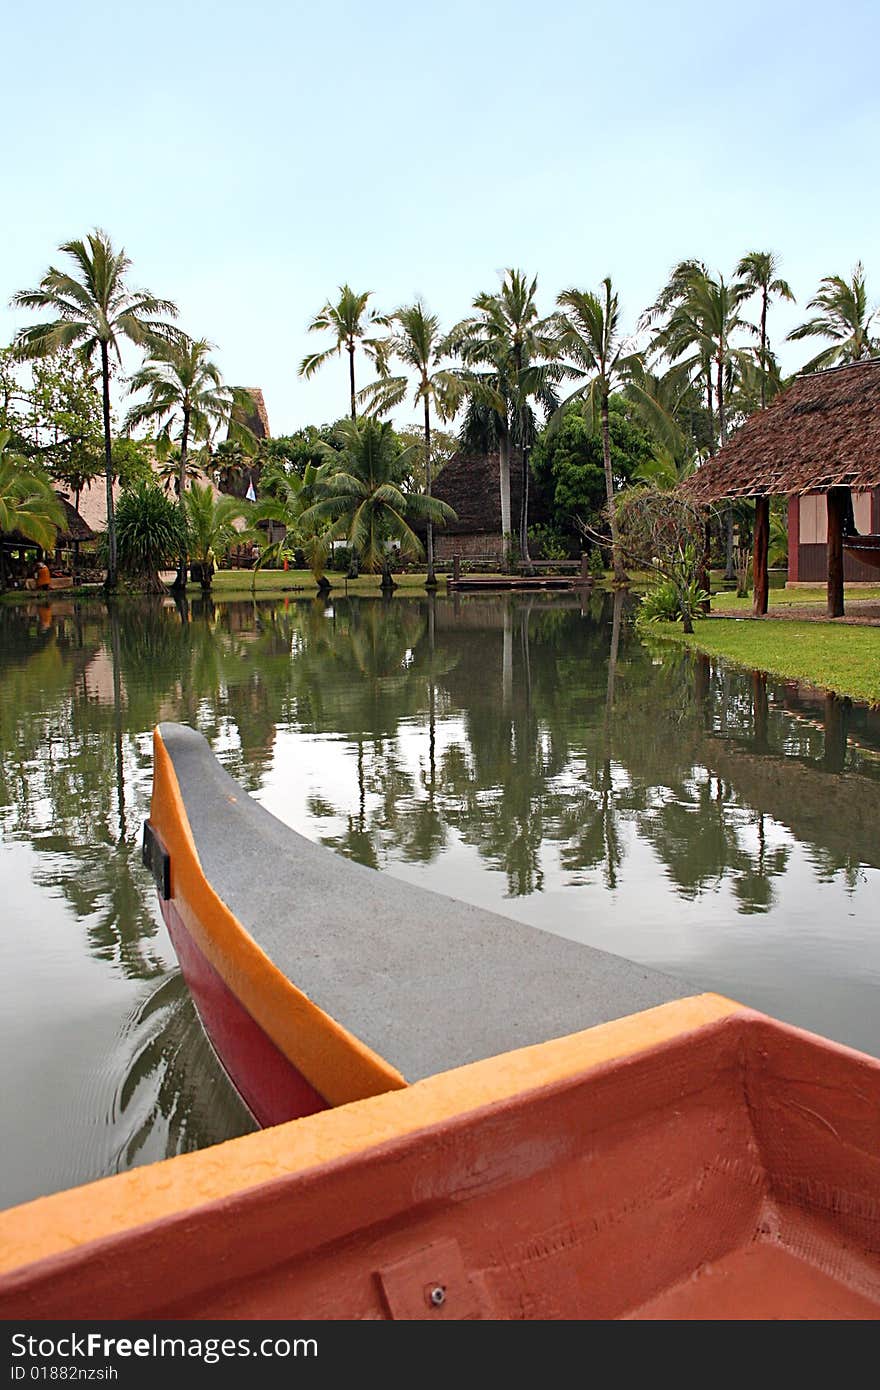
x,y
256,420
822,431
470,484
76,529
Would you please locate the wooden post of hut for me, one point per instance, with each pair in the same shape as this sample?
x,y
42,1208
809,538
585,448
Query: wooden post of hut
x,y
761,579
837,502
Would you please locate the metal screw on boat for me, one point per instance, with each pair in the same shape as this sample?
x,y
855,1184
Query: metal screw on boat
x,y
437,1296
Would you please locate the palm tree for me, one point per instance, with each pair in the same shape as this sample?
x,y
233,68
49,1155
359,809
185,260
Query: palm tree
x,y
758,273
845,317
292,495
417,344
681,280
704,324
94,309
351,322
363,502
28,502
184,392
211,527
509,356
593,350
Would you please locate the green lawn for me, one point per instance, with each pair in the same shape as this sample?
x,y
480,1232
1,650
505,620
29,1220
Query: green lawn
x,y
727,602
843,659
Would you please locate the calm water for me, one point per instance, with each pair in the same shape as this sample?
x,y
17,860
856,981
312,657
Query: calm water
x,y
529,755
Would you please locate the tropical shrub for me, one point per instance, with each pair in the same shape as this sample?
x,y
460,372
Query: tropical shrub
x,y
211,527
150,535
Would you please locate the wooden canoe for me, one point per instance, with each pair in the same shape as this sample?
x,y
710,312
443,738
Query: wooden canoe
x,y
320,982
475,1149
694,1161
865,548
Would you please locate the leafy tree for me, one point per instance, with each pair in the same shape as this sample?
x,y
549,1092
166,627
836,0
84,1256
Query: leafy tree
x,y
351,323
416,343
509,361
290,454
663,534
444,445
64,420
132,461
758,272
94,309
363,501
150,534
593,350
28,503
568,461
184,396
211,527
844,316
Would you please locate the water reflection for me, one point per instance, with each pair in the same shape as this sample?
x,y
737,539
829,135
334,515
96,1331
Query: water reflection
x,y
527,752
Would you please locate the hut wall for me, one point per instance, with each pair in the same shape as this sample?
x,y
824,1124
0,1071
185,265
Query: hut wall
x,y
477,545
807,550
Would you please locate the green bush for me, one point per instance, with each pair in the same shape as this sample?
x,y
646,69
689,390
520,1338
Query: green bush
x,y
548,542
597,563
151,534
667,601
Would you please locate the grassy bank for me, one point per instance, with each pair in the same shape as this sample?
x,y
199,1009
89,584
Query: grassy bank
x,y
843,659
787,599
229,583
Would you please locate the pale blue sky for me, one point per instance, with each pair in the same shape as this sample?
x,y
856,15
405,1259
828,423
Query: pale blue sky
x,y
252,157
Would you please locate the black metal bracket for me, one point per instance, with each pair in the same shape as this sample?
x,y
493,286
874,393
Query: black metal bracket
x,y
157,859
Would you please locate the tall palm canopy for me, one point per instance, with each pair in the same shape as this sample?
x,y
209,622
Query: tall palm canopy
x,y
700,330
417,343
845,316
184,395
93,309
350,322
758,274
508,355
594,352
361,500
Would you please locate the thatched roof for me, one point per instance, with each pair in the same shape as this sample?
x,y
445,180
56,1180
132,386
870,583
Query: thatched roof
x,y
257,420
470,484
77,528
822,431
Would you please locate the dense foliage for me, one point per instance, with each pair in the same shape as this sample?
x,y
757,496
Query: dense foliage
x,y
150,534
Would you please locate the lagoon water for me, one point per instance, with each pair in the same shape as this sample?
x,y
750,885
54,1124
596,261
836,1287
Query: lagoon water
x,y
530,754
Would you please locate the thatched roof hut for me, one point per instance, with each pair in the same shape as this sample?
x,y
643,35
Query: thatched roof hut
x,y
76,528
822,432
821,435
470,484
256,420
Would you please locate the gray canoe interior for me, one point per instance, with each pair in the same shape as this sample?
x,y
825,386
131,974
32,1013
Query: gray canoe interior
x,y
426,981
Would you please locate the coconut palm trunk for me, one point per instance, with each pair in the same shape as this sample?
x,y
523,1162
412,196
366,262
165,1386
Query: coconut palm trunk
x,y
616,557
524,509
180,577
431,580
351,378
504,484
108,469
729,570
764,348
